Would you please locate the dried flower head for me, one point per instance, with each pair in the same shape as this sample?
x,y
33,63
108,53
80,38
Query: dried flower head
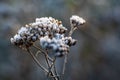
x,y
24,38
59,44
76,21
49,31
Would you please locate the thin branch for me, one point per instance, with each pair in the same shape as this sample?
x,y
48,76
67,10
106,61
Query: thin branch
x,y
47,60
55,69
71,31
49,66
43,52
35,59
53,63
54,66
37,53
64,64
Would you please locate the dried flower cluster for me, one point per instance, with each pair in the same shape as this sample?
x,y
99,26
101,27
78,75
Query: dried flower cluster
x,y
51,36
59,44
76,21
49,31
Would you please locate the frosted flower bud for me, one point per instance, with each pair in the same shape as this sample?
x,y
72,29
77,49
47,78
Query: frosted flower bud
x,y
58,36
17,36
54,26
39,29
12,40
44,41
23,30
76,21
69,41
74,42
34,38
37,20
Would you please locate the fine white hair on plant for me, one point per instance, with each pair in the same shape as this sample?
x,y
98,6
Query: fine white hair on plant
x,y
50,33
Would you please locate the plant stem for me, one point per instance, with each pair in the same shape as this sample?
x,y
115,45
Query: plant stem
x,y
35,59
55,70
43,53
64,64
47,60
71,31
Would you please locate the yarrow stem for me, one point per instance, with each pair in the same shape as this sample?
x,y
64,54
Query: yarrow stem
x,y
64,64
35,59
42,51
71,31
50,72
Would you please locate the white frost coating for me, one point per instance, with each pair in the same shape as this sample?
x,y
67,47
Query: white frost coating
x,y
42,40
17,37
22,30
57,44
50,22
12,40
49,31
77,20
58,36
36,23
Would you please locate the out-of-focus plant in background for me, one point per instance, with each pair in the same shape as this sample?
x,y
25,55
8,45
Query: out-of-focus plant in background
x,y
95,57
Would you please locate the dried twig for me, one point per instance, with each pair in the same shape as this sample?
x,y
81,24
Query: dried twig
x,y
64,64
36,60
43,52
55,70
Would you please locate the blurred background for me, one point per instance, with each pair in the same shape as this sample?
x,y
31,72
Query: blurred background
x,y
96,55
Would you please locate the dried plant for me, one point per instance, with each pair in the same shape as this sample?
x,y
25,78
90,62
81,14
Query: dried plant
x,y
50,33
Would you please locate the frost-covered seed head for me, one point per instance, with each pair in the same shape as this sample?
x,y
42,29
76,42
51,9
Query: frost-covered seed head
x,y
69,41
22,30
76,21
50,32
56,44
